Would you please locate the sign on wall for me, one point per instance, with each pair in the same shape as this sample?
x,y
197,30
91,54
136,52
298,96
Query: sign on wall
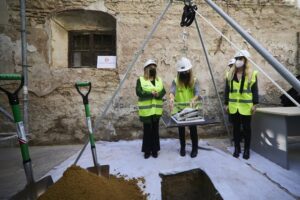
x,y
106,62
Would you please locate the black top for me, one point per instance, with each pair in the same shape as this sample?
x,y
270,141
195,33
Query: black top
x,y
254,90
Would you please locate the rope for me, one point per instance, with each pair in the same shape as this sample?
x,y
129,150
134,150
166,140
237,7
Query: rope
x,y
6,114
258,67
8,138
212,77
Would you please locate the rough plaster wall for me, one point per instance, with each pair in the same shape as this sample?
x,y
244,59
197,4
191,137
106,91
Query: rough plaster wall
x,y
56,111
59,38
3,12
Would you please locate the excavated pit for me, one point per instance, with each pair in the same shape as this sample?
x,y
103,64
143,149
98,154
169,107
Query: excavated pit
x,y
194,184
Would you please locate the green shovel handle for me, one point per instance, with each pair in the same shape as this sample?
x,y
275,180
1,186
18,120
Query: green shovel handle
x,y
12,96
14,103
85,97
83,84
10,77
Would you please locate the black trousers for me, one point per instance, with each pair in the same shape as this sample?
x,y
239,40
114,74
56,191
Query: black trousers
x,y
245,121
193,134
151,136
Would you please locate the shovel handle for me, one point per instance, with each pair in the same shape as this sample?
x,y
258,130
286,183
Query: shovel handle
x,y
78,85
14,103
10,77
12,96
83,84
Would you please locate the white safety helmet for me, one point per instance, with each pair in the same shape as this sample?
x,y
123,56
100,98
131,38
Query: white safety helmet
x,y
231,61
242,53
183,64
149,62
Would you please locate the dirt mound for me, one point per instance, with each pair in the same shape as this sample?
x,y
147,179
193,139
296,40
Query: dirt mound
x,y
78,183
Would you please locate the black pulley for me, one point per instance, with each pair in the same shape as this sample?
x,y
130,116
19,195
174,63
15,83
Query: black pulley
x,y
188,15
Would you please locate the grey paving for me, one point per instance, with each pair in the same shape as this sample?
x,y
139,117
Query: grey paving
x,y
44,158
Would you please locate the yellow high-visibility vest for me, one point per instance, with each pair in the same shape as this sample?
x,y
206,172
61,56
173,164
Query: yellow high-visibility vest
x,y
241,102
183,97
150,106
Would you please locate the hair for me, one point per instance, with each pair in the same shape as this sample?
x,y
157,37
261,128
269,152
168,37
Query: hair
x,y
190,83
147,71
247,71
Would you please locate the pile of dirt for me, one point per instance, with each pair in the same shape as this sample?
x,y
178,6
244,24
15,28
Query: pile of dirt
x,y
78,183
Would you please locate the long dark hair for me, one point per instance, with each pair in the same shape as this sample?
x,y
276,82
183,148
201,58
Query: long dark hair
x,y
190,82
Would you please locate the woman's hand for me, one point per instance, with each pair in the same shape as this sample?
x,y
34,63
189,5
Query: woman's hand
x,y
226,108
253,109
171,105
155,94
192,103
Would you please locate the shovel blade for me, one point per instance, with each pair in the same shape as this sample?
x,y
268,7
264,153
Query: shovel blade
x,y
102,170
33,190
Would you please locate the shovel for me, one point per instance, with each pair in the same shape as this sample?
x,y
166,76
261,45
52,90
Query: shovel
x,y
33,189
100,170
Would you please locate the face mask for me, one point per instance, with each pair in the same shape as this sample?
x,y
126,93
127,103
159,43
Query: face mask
x,y
152,72
184,77
239,63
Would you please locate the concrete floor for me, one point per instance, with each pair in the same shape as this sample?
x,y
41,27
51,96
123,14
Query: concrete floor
x,y
44,158
294,157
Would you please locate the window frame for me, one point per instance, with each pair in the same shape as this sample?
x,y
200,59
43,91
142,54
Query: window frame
x,y
92,50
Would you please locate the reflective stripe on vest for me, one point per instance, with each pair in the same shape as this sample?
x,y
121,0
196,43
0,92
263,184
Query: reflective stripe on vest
x,y
150,106
241,102
183,96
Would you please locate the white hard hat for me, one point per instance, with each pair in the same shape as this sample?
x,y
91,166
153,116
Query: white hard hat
x,y
242,53
183,64
231,61
149,62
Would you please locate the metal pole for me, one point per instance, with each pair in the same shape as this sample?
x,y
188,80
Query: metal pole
x,y
212,77
129,68
24,63
286,74
6,114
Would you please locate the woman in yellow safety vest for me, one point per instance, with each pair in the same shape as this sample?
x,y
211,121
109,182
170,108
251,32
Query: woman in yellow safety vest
x,y
184,93
150,90
241,98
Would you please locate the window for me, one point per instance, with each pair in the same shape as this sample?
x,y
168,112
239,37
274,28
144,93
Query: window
x,y
85,46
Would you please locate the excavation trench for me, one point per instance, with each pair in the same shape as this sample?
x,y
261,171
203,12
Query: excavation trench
x,y
194,184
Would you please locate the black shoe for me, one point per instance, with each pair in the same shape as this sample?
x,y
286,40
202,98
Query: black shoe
x,y
182,152
154,154
194,153
147,155
235,154
237,151
246,154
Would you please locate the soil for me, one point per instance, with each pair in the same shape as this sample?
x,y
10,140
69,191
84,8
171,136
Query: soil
x,y
78,183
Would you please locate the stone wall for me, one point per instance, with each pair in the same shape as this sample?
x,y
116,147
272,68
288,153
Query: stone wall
x,y
55,109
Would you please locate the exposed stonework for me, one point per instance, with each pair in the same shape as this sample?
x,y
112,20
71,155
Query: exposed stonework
x,y
56,110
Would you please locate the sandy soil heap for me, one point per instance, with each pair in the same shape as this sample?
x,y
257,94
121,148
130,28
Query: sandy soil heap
x,y
78,183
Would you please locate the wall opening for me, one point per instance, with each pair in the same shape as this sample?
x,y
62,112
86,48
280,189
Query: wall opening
x,y
78,37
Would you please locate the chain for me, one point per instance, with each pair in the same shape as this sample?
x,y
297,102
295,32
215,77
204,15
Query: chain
x,y
185,36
